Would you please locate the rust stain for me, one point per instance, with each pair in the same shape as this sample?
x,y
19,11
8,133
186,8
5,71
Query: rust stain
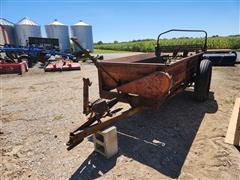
x,y
153,85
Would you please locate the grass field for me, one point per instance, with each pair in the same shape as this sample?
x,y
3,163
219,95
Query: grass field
x,y
229,42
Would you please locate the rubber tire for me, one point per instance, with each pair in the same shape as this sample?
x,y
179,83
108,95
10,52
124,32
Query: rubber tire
x,y
203,81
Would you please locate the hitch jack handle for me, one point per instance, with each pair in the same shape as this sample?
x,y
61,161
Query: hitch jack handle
x,y
86,84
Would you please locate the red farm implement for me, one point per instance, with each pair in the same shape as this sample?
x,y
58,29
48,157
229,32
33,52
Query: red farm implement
x,y
143,81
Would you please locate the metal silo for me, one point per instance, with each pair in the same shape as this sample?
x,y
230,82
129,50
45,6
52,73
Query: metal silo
x,y
26,28
59,31
83,33
7,34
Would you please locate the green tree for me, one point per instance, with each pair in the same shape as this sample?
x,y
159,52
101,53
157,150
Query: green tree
x,y
99,42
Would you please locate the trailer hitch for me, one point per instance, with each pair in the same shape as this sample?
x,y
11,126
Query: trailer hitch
x,y
95,111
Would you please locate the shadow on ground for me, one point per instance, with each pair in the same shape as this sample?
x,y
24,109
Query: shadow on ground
x,y
160,139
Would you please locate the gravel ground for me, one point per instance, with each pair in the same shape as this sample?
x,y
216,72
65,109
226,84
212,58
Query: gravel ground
x,y
183,139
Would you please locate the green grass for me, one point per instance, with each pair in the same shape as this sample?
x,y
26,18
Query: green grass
x,y
229,42
107,51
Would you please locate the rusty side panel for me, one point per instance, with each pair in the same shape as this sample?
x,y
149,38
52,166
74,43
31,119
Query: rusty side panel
x,y
154,85
192,67
178,73
126,72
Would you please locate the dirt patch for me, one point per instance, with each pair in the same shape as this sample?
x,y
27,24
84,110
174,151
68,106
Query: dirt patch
x,y
183,139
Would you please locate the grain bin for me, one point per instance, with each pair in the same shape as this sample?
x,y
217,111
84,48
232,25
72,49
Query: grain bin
x,y
83,33
26,28
7,34
59,31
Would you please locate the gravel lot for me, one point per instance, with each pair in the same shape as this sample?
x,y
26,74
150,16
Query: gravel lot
x,y
183,139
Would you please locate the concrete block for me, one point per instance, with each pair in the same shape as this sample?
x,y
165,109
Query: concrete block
x,y
105,142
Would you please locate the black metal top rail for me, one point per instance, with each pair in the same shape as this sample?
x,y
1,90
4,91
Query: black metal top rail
x,y
184,30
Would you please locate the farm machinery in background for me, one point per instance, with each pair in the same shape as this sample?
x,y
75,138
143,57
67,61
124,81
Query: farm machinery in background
x,y
17,59
221,57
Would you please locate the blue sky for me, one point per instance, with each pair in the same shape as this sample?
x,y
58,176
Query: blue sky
x,y
130,19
